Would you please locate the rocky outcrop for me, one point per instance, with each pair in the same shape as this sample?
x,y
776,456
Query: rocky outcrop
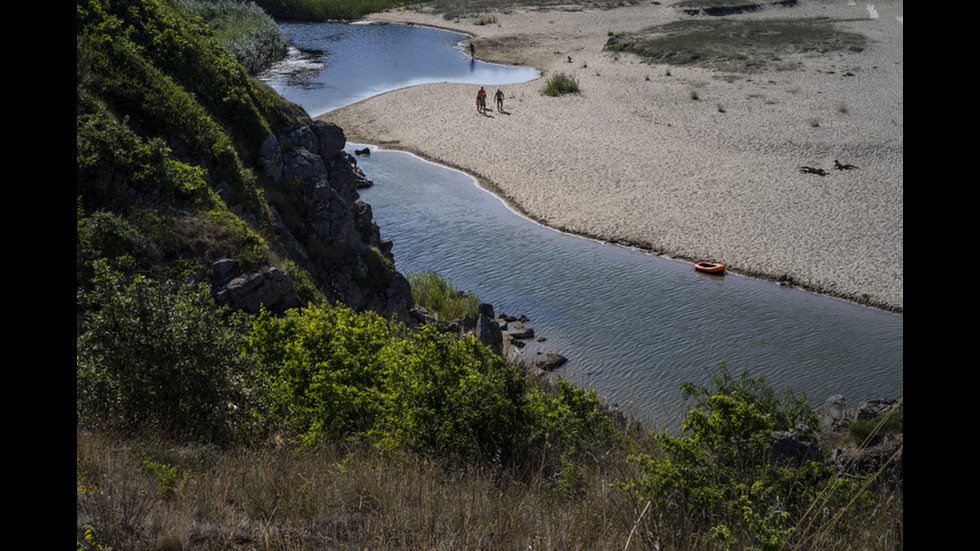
x,y
882,455
835,414
487,331
505,335
334,236
269,288
786,450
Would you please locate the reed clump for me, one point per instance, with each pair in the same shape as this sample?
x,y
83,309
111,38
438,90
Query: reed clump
x,y
561,84
440,297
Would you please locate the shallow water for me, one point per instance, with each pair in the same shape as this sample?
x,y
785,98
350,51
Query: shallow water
x,y
634,326
335,64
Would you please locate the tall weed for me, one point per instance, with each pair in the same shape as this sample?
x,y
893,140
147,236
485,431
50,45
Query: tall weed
x,y
437,294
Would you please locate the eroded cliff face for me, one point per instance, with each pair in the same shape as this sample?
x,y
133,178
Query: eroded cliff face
x,y
328,230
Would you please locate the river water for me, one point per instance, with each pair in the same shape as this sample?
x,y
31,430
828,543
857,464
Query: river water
x,y
633,325
335,64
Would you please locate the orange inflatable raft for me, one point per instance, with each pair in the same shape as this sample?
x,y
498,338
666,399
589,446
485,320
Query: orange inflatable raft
x,y
709,267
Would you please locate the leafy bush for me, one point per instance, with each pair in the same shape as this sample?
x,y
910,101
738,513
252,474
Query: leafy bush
x,y
485,20
244,28
160,357
718,473
566,425
111,159
336,374
452,397
324,369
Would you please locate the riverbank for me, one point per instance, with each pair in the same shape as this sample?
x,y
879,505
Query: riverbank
x,y
683,161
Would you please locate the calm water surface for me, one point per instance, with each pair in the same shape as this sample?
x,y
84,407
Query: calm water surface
x,y
634,326
335,64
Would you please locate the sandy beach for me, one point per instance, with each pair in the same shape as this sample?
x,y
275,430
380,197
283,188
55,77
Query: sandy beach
x,y
687,162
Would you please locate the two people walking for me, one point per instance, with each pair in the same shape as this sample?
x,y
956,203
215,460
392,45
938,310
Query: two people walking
x,y
481,100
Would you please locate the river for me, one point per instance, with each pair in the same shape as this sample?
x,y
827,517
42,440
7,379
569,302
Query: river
x,y
633,325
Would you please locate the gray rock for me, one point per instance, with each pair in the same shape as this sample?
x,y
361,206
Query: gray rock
x,y
488,332
869,409
331,138
333,236
833,411
550,361
270,288
521,333
785,449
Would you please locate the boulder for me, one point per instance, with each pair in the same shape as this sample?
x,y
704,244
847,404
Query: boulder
x,y
270,288
833,412
331,138
550,361
785,449
521,333
869,409
488,332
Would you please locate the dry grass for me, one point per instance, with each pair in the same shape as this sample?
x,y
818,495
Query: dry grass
x,y
337,498
352,497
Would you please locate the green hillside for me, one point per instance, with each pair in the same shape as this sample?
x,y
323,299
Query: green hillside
x,y
327,425
165,117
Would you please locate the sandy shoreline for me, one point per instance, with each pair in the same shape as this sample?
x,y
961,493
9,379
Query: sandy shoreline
x,y
635,159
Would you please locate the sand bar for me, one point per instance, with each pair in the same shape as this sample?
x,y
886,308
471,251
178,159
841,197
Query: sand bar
x,y
683,161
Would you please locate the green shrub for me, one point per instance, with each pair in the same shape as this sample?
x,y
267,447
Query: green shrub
x,y
566,423
718,473
452,397
561,84
159,357
111,159
336,374
244,28
485,20
324,368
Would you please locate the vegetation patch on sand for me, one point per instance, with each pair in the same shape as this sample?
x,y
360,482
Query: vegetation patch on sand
x,y
743,46
454,9
561,84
